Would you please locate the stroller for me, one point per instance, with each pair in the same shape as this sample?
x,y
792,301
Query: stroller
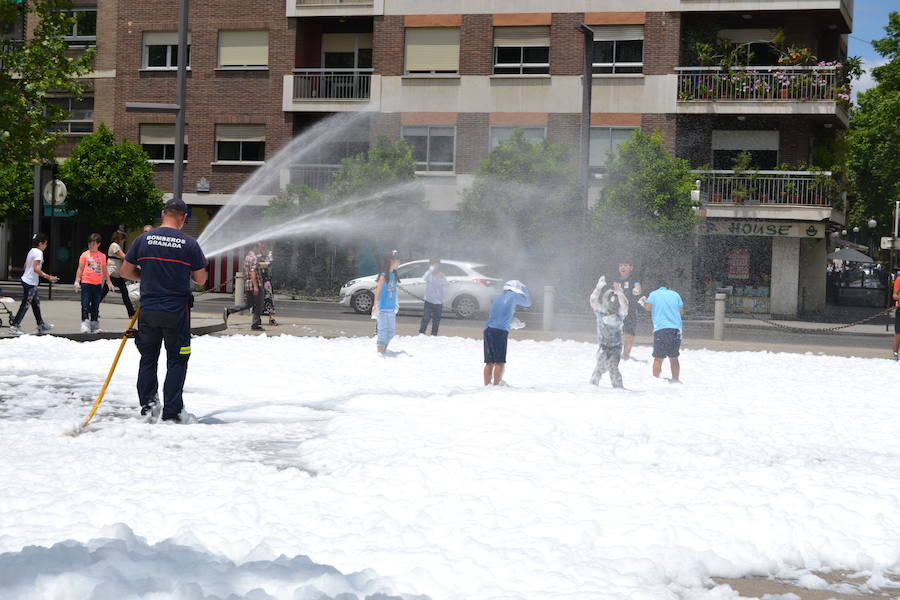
x,y
4,308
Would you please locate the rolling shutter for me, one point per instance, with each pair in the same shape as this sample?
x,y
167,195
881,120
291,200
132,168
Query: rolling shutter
x,y
610,33
518,37
432,49
243,48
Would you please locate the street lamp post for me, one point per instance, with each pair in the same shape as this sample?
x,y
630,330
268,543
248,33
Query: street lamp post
x,y
586,91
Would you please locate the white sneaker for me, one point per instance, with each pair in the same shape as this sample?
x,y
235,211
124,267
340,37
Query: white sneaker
x,y
14,330
95,327
85,327
45,327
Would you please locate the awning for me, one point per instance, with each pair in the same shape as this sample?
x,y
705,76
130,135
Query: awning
x,y
849,255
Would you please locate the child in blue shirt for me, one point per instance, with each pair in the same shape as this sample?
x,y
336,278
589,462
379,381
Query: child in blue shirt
x,y
496,330
385,306
611,307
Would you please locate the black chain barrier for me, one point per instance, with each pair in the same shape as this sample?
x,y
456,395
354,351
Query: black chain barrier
x,y
816,329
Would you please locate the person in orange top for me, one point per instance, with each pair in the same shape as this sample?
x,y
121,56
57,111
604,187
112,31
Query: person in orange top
x,y
896,297
90,278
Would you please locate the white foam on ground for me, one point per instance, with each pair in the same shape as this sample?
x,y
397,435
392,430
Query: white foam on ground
x,y
409,477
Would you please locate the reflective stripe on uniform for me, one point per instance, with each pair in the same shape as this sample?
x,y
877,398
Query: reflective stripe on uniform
x,y
185,350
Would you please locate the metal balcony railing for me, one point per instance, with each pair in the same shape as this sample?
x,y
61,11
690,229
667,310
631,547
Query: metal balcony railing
x,y
790,84
798,188
332,84
315,176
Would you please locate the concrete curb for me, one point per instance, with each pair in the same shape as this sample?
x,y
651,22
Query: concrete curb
x,y
115,335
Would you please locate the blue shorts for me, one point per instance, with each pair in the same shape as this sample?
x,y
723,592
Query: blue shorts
x,y
666,343
495,345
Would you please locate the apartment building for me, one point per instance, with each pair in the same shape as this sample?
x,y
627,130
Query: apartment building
x,y
455,77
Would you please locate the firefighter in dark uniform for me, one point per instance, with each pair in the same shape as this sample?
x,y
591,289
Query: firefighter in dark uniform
x,y
165,260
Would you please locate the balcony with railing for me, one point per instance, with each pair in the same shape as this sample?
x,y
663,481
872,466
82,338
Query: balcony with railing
x,y
330,90
317,177
315,8
769,194
332,84
790,89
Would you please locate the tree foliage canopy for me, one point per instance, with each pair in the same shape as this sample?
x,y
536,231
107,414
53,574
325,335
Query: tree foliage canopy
x,y
647,197
874,137
527,187
373,180
110,183
29,71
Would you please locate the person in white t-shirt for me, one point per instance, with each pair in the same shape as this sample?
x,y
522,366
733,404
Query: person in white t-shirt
x,y
30,279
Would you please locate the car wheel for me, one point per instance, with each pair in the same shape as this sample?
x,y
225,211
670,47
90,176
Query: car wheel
x,y
362,302
465,306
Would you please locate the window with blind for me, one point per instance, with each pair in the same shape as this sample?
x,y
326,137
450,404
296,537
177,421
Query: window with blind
x,y
158,141
433,146
522,50
161,50
535,135
618,49
80,114
347,50
432,50
604,143
240,143
243,49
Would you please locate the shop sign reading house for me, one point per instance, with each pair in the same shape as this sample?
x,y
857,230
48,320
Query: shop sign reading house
x,y
762,228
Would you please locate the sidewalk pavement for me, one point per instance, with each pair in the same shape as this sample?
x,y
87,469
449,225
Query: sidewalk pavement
x,y
206,318
65,315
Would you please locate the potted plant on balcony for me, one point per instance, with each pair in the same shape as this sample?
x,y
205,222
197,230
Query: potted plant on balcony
x,y
743,181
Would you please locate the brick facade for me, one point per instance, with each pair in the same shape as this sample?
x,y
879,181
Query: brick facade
x,y
389,45
472,141
795,141
665,124
476,45
565,128
214,96
566,44
662,43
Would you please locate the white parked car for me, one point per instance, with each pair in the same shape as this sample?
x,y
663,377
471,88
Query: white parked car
x,y
470,291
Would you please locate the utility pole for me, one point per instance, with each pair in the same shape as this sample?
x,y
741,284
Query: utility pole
x,y
586,93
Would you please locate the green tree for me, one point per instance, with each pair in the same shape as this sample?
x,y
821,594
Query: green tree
x,y
874,138
373,200
646,204
530,189
16,189
29,70
110,183
369,180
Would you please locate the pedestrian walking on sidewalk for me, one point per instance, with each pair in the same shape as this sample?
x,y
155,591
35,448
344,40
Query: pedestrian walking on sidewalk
x,y
385,306
31,275
89,279
114,257
666,308
166,261
265,275
435,284
254,297
496,330
610,306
